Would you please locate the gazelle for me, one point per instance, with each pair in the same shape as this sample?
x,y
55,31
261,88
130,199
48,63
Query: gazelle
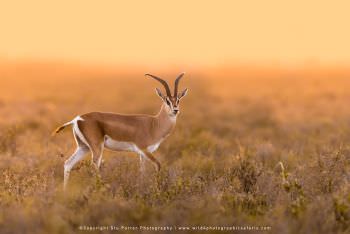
x,y
141,134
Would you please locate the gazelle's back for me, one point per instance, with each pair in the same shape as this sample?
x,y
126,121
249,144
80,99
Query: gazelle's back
x,y
117,126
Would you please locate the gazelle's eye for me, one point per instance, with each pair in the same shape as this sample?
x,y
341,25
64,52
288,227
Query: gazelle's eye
x,y
167,102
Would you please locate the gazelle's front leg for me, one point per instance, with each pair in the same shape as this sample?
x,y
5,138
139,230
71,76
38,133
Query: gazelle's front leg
x,y
142,163
150,156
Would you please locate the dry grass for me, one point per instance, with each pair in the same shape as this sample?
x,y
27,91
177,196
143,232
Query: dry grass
x,y
220,166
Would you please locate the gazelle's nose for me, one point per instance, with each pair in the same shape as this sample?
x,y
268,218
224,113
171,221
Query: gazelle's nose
x,y
176,111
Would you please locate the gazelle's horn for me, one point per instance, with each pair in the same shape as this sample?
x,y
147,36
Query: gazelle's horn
x,y
163,82
177,83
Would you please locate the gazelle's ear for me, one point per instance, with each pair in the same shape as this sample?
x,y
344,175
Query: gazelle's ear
x,y
159,93
183,93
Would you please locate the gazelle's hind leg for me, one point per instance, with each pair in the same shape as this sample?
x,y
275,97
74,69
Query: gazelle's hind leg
x,y
96,153
99,153
94,138
81,150
78,155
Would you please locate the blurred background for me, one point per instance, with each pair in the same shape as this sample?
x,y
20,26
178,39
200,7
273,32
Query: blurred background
x,y
232,41
158,35
268,83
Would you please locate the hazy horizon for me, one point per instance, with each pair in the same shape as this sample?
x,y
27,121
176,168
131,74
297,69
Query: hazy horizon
x,y
186,33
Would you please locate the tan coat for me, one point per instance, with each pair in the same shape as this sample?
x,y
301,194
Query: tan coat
x,y
142,130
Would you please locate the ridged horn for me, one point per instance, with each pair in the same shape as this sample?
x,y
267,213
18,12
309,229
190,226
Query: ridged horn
x,y
177,83
163,82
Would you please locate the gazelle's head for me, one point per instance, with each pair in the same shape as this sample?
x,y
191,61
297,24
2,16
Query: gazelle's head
x,y
171,102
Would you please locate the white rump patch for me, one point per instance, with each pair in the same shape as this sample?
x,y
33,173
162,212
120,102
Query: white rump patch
x,y
77,131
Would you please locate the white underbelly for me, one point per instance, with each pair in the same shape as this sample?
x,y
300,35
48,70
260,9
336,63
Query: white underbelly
x,y
120,145
127,146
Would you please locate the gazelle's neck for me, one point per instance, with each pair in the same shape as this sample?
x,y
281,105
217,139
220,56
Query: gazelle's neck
x,y
165,122
164,116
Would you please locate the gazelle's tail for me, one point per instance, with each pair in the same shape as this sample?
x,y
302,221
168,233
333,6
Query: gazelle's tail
x,y
59,129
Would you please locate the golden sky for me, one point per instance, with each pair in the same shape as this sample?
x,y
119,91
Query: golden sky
x,y
176,32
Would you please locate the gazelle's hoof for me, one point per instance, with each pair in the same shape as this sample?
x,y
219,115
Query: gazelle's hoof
x,y
95,167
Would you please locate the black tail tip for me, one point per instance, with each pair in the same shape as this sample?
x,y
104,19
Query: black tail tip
x,y
57,130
